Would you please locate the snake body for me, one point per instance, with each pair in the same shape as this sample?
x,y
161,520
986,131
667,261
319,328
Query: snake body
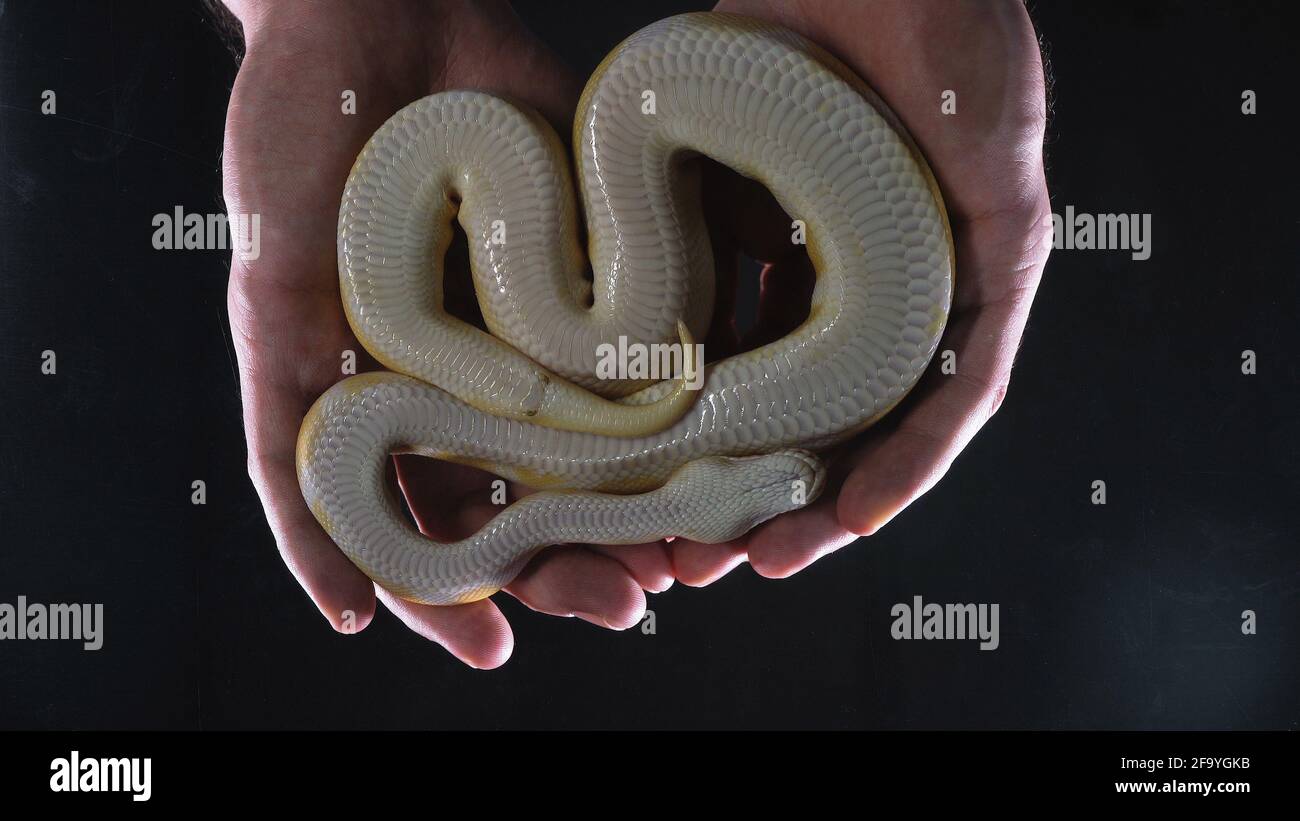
x,y
623,462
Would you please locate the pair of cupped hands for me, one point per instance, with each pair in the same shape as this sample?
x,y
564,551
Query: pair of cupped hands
x,y
288,151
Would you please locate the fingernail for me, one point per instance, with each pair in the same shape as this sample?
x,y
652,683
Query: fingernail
x,y
663,587
594,619
348,622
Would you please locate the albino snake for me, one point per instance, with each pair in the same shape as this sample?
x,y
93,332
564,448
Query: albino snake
x,y
524,401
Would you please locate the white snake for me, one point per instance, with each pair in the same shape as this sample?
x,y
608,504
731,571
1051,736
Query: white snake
x,y
524,401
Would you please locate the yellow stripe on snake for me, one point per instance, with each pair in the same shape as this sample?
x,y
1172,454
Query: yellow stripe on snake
x,y
624,463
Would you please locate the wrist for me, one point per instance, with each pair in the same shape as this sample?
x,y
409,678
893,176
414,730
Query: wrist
x,y
374,25
258,16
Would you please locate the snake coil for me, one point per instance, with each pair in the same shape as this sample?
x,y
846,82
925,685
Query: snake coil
x,y
523,400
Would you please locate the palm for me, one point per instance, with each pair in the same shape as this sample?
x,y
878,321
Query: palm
x,y
289,148
988,160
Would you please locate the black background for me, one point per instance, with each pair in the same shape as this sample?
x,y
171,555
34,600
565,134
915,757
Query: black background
x,y
1122,616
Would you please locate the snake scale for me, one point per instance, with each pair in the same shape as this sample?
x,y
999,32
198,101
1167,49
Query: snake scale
x,y
621,462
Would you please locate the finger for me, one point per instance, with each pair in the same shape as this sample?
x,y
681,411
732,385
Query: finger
x,y
647,563
476,633
697,564
275,400
341,591
272,413
778,548
574,581
792,541
893,470
566,581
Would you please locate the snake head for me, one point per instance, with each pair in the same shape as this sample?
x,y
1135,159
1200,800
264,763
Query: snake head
x,y
736,494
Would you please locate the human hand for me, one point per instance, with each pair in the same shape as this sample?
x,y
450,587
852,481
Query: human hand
x,y
988,161
288,151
